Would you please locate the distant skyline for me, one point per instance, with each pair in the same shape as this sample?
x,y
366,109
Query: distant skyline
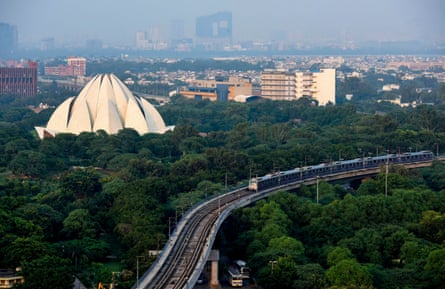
x,y
305,21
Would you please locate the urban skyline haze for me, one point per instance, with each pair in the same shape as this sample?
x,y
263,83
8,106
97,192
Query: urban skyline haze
x,y
317,21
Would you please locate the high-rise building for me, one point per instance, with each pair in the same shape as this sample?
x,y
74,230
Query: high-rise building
x,y
94,44
47,44
150,40
8,39
177,31
215,29
20,80
141,40
285,85
154,34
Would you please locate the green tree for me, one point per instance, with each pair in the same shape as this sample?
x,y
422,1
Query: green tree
x,y
432,226
394,237
79,224
414,252
45,216
285,246
310,276
280,273
138,213
81,183
435,268
47,272
435,176
14,146
350,274
23,249
189,165
83,251
338,254
239,137
271,231
366,244
28,163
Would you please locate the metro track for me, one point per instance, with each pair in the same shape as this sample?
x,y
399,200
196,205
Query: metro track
x,y
190,245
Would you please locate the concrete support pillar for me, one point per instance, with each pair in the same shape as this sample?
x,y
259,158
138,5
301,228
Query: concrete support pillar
x,y
213,259
214,282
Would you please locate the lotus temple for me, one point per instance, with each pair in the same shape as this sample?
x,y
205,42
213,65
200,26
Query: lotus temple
x,y
105,103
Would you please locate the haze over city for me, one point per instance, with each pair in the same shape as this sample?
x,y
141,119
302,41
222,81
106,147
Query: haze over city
x,y
116,22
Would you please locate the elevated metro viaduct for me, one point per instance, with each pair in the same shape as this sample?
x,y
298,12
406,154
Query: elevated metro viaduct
x,y
181,270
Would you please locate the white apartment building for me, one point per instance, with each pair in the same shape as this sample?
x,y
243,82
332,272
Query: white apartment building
x,y
285,85
278,85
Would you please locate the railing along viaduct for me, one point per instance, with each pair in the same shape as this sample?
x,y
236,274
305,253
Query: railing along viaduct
x,y
189,247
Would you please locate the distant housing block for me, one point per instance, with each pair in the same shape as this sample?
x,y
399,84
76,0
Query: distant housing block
x,y
286,85
76,66
219,89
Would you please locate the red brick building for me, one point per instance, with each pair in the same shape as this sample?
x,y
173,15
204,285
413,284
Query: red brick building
x,y
76,66
20,80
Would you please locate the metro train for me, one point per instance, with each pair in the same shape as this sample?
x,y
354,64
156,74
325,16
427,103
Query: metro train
x,y
307,172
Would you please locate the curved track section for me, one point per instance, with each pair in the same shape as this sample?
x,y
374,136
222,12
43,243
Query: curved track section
x,y
186,252
187,246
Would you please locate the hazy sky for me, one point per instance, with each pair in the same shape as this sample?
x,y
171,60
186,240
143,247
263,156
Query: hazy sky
x,y
115,21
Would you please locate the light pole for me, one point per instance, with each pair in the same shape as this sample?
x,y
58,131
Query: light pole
x,y
112,279
137,271
360,151
170,226
182,212
386,175
318,180
301,170
271,263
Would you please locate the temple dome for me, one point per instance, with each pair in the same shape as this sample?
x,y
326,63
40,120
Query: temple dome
x,y
105,103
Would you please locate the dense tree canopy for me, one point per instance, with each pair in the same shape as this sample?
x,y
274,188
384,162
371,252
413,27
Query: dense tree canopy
x,y
80,201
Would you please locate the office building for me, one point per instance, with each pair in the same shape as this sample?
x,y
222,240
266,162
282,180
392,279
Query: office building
x,y
8,39
214,31
76,66
219,89
285,85
19,79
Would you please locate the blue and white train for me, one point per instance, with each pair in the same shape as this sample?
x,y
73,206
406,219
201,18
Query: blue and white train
x,y
304,173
